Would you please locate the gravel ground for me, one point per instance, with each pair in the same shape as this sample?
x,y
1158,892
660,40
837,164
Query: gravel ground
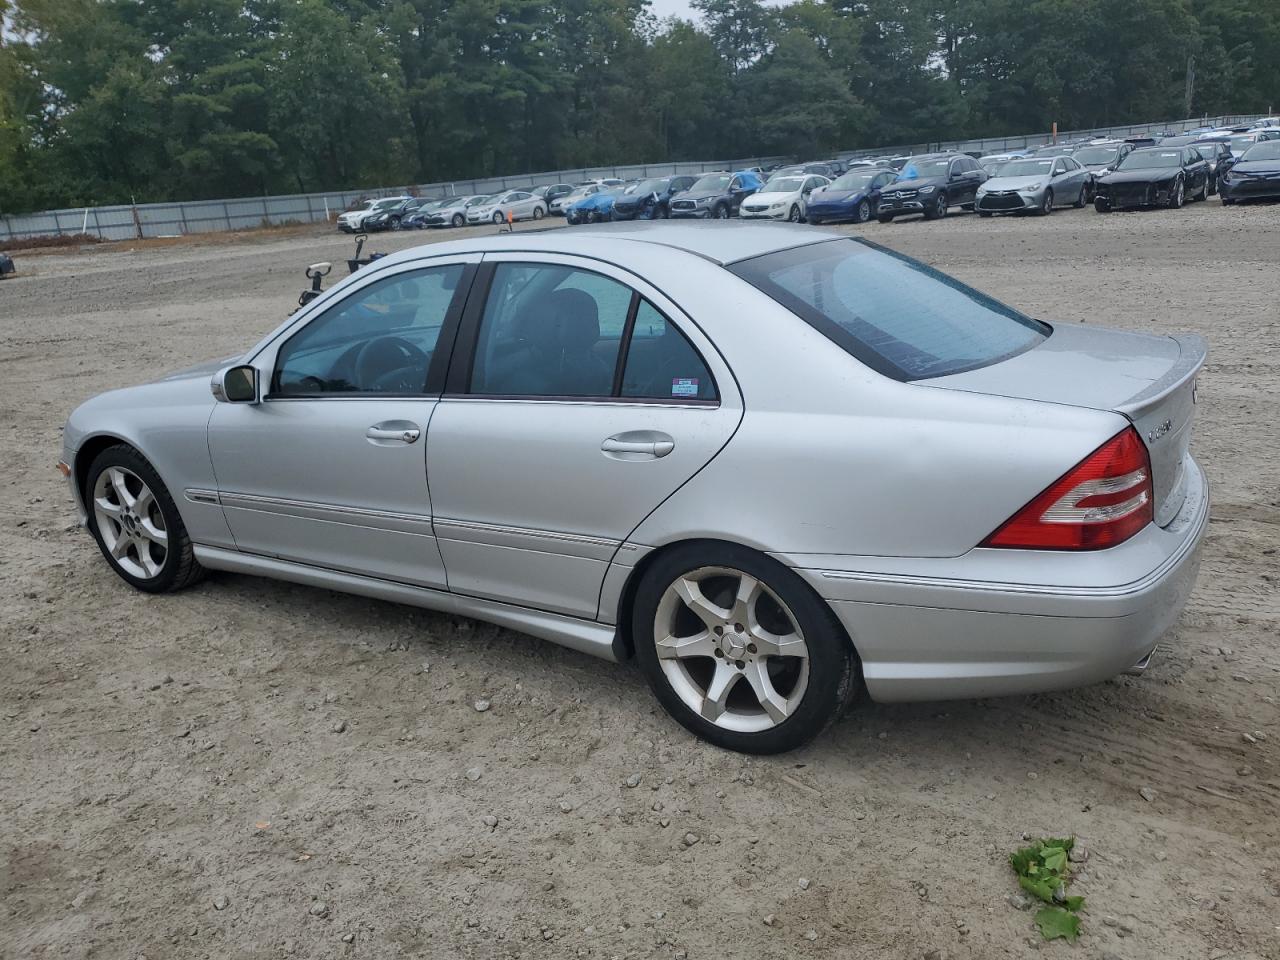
x,y
253,769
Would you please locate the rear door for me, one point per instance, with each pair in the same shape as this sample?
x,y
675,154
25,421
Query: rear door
x,y
578,399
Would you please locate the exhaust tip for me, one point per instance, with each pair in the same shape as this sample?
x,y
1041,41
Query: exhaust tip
x,y
1139,668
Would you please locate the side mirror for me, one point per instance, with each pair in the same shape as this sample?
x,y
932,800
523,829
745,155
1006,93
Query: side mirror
x,y
238,384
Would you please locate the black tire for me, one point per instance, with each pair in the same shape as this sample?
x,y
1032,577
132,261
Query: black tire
x,y
1213,185
885,218
1204,190
793,215
984,214
180,567
394,224
1226,201
498,218
459,220
833,666
537,213
721,212
938,209
1177,195
1081,200
1102,205
1046,205
863,212
1088,192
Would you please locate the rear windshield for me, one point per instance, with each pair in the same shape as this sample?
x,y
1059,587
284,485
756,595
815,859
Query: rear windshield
x,y
896,315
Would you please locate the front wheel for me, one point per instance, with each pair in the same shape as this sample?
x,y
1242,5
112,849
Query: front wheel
x,y
721,212
863,213
1081,200
885,218
740,650
136,523
1177,195
984,214
1227,201
794,215
459,220
938,209
395,223
1102,205
498,217
1046,205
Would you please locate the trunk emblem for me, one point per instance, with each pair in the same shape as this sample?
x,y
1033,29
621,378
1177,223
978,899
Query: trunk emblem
x,y
1159,431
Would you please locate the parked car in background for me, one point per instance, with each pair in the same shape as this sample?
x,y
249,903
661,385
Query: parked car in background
x,y
512,205
453,211
716,196
549,193
651,199
562,203
1100,159
1255,175
1153,176
597,207
1219,157
783,197
931,184
393,217
6,265
1034,184
415,218
653,440
853,196
353,221
1055,150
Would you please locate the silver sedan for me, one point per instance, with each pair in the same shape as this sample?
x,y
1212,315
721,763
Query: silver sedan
x,y
1035,184
778,466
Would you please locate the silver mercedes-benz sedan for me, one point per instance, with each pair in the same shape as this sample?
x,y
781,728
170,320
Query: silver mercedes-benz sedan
x,y
777,465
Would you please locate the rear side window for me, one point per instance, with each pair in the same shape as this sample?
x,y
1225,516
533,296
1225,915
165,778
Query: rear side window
x,y
898,316
661,363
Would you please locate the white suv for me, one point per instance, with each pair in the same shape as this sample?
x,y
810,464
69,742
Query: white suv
x,y
353,220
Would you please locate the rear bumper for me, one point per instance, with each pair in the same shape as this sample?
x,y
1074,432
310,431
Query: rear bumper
x,y
1004,622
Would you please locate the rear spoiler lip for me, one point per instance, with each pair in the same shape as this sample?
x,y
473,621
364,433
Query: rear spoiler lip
x,y
1194,350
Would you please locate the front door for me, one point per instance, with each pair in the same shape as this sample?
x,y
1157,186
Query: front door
x,y
329,469
575,405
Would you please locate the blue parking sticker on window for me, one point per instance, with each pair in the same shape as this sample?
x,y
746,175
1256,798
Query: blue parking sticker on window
x,y
684,387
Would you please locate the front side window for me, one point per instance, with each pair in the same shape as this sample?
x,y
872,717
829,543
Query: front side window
x,y
898,316
379,340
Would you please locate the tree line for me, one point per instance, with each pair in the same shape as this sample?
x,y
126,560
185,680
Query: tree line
x,y
103,101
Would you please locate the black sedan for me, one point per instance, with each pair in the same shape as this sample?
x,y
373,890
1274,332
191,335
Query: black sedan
x,y
1220,158
1153,177
395,218
1255,175
651,200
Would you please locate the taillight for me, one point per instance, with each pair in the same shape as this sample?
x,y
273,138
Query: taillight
x,y
1102,501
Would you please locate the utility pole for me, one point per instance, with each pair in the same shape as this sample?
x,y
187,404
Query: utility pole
x,y
1191,83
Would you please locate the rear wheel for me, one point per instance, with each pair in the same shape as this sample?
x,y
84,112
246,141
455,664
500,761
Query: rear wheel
x,y
1102,205
1227,201
1081,199
136,523
740,650
984,213
885,218
1204,190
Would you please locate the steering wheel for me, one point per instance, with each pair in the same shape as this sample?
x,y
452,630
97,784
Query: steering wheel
x,y
384,355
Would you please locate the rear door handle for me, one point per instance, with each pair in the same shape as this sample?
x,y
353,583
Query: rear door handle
x,y
393,431
638,445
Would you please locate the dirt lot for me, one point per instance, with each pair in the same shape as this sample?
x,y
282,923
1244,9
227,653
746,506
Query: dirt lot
x,y
172,785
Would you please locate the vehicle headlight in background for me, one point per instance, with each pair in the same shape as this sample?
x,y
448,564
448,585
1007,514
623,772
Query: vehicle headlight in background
x,y
1031,188
926,189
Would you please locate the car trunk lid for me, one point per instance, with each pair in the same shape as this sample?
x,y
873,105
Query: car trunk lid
x,y
1149,380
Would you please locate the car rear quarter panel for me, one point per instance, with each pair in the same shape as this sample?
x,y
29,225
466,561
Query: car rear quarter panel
x,y
834,458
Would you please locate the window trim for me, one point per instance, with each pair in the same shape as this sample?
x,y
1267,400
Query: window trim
x,y
457,384
444,347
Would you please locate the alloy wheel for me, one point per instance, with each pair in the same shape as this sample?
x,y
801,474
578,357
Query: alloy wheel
x,y
794,215
731,649
130,522
864,212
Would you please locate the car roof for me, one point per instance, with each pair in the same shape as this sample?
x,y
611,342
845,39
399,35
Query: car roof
x,y
722,242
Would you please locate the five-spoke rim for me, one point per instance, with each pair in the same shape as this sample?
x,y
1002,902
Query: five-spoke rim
x,y
130,522
731,649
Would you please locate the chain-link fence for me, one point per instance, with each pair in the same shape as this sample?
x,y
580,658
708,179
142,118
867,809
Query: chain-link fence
x,y
129,221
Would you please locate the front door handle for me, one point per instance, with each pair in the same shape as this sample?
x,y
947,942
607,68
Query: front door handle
x,y
390,432
638,445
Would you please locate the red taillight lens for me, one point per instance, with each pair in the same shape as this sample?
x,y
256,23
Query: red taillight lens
x,y
1102,501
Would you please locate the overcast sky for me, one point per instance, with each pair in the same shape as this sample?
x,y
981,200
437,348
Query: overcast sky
x,y
667,8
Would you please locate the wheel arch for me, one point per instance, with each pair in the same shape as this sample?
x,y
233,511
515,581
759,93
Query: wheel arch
x,y
89,450
624,640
